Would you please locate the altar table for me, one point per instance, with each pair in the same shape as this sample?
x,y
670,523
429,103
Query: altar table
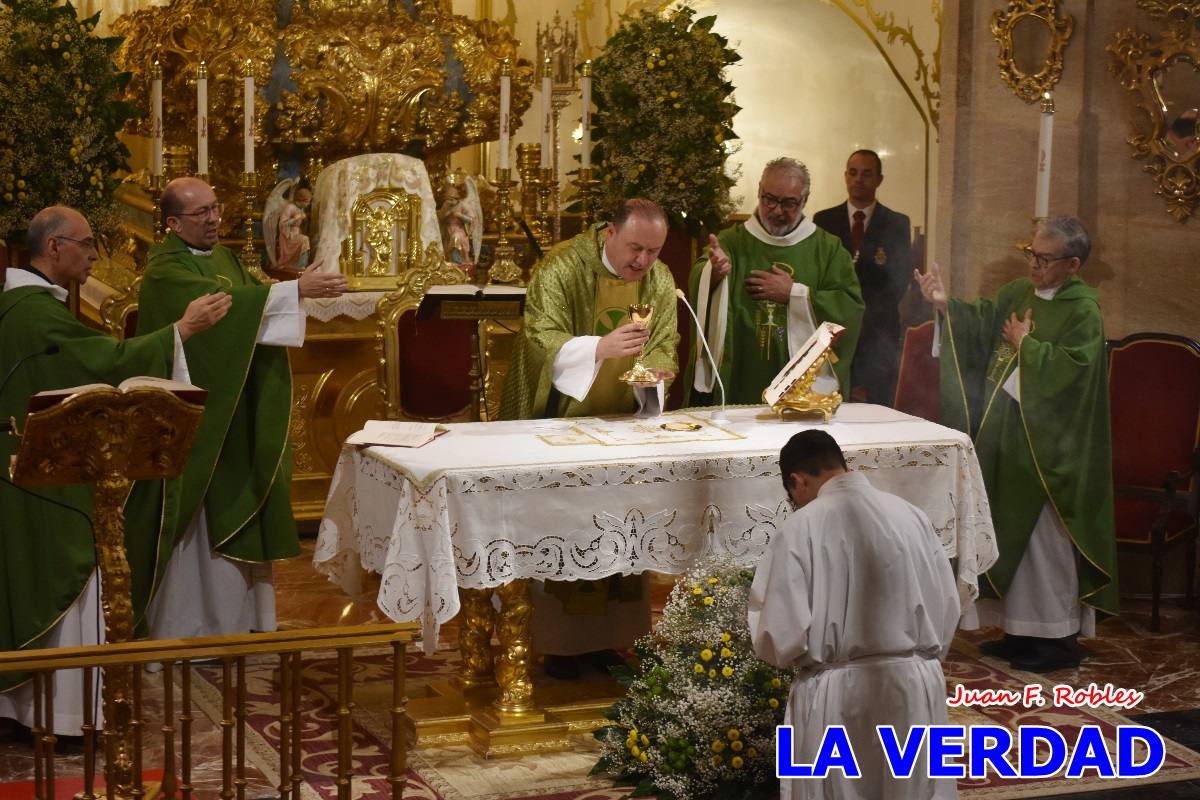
x,y
489,503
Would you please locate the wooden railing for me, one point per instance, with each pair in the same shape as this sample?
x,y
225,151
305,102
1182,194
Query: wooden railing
x,y
231,652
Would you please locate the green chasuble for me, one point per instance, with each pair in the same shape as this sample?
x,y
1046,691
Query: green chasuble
x,y
1054,444
754,350
240,466
561,305
46,551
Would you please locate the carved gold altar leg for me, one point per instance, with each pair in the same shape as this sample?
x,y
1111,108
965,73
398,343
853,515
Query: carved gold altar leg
x,y
477,621
110,493
512,668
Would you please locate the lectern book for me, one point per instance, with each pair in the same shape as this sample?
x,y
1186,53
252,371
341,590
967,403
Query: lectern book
x,y
184,391
394,433
821,340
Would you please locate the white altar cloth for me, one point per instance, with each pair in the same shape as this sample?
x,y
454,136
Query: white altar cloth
x,y
489,503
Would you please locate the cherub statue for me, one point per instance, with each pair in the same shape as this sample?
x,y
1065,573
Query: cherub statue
x,y
461,220
283,229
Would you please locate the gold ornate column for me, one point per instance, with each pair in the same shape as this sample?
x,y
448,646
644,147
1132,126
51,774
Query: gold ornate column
x,y
477,621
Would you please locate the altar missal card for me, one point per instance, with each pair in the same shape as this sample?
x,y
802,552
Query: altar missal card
x,y
393,433
184,391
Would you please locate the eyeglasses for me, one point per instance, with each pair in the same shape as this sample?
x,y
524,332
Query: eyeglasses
x,y
1043,260
213,210
786,203
89,242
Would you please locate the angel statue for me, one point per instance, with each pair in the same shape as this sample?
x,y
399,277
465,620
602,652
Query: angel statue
x,y
460,217
283,229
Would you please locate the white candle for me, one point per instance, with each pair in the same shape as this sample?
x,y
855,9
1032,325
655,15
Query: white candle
x,y
202,119
585,144
1041,205
546,115
156,126
505,103
248,128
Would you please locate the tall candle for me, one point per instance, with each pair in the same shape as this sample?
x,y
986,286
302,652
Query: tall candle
x,y
585,144
248,103
202,119
546,162
1041,204
156,125
505,104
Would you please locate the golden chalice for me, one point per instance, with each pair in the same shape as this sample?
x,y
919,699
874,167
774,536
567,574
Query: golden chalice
x,y
639,374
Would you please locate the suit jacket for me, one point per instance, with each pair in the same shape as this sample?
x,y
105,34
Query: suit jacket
x,y
884,266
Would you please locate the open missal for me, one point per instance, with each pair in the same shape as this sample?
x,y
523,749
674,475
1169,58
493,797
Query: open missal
x,y
184,391
394,433
821,340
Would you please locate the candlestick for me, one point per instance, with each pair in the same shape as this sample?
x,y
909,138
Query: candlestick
x,y
250,257
156,126
587,195
546,185
504,267
546,112
505,103
157,184
585,143
1041,205
248,116
202,119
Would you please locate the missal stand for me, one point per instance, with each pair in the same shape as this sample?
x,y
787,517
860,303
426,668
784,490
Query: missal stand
x,y
472,303
110,437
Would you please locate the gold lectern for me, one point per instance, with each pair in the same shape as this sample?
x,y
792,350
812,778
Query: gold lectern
x,y
110,437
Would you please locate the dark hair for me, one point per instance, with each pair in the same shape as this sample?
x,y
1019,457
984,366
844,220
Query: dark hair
x,y
638,207
872,154
811,452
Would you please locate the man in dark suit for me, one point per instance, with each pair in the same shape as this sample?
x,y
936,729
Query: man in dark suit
x,y
880,242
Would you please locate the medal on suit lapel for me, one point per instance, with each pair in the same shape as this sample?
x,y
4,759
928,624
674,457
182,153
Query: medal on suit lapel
x,y
880,257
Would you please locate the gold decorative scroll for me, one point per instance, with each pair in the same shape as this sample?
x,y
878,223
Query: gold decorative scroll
x,y
1165,125
1031,86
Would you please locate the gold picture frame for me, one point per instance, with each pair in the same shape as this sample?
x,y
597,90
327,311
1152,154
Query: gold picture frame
x,y
1163,73
1032,37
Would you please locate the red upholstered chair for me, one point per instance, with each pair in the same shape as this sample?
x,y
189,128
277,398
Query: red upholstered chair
x,y
1154,390
917,390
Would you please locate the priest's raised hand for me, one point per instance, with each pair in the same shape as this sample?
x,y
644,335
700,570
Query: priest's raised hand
x,y
321,284
202,313
931,287
721,265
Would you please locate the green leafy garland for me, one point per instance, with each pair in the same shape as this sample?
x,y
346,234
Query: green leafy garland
x,y
61,115
700,714
664,117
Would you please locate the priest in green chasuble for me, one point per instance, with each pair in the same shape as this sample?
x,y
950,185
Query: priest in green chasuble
x,y
235,514
576,342
763,287
49,588
1025,374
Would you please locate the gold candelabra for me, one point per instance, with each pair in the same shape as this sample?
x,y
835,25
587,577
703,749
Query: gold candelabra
x,y
528,157
157,184
250,258
546,186
504,267
589,189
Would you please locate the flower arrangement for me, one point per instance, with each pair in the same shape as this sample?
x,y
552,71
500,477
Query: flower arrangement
x,y
700,715
58,133
664,117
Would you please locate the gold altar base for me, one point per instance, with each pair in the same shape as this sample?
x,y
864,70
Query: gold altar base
x,y
450,715
809,403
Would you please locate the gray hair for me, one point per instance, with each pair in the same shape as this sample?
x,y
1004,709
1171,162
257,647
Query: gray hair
x,y
1070,231
47,223
792,167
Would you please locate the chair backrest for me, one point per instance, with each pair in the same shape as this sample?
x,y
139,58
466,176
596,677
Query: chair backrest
x,y
1154,395
917,389
118,312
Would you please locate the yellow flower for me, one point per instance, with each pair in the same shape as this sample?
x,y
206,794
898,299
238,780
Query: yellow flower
x,y
736,762
697,590
635,751
710,580
718,746
698,669
773,703
712,673
776,683
676,105
54,44
725,637
645,740
716,761
708,601
33,69
727,671
642,758
706,654
67,54
733,734
8,197
662,62
736,746
725,651
649,63
21,184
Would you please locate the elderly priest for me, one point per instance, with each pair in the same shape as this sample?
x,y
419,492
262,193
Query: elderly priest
x,y
235,515
49,590
576,343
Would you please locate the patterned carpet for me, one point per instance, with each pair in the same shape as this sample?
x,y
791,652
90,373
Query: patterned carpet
x,y
456,773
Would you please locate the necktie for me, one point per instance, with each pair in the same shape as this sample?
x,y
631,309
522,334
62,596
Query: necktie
x,y
856,233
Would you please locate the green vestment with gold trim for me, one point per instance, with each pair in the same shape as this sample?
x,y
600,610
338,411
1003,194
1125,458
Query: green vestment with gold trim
x,y
755,352
240,466
1055,444
561,305
47,552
